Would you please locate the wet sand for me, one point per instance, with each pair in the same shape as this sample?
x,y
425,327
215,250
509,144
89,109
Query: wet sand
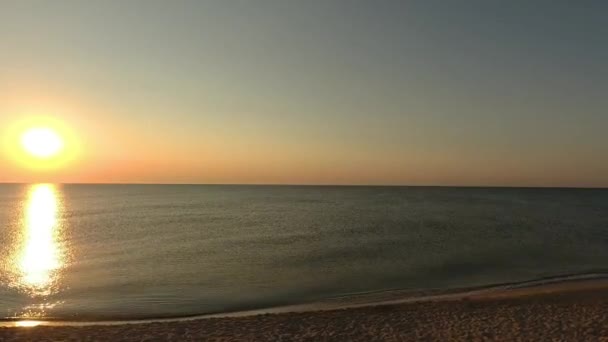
x,y
571,311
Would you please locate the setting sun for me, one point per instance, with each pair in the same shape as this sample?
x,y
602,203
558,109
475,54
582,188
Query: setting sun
x,y
42,142
37,144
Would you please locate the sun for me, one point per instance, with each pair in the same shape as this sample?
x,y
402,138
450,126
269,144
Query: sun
x,y
42,142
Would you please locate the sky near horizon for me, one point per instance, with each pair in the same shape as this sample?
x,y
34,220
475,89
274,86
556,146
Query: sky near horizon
x,y
506,93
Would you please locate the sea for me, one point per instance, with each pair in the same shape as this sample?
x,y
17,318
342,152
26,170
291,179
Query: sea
x,y
129,252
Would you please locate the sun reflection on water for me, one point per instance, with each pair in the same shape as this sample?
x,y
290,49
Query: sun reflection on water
x,y
42,255
27,324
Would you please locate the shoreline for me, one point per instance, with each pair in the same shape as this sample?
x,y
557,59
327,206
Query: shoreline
x,y
541,286
569,311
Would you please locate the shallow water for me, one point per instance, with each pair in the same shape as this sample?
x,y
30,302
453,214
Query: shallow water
x,y
89,252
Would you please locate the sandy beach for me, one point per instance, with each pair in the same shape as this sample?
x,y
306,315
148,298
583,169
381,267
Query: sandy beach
x,y
570,311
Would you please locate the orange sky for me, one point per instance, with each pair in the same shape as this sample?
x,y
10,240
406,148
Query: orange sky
x,y
147,152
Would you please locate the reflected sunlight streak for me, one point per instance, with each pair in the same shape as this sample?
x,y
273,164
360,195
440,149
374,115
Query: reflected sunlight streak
x,y
41,256
27,324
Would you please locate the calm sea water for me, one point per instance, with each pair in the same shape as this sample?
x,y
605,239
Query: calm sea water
x,y
141,251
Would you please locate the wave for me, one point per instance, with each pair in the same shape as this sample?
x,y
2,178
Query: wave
x,y
354,300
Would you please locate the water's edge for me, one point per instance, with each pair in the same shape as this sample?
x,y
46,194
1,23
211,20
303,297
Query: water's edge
x,y
387,297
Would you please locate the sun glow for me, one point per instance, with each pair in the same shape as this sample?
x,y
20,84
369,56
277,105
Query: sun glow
x,y
42,142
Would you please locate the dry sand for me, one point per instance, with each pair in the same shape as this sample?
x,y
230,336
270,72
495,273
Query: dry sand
x,y
576,311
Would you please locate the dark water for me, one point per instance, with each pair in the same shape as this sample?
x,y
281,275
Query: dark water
x,y
135,251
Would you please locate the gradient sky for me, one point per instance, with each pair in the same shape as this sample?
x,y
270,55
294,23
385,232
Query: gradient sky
x,y
508,93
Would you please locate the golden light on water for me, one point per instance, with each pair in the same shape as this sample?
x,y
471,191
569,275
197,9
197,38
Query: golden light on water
x,y
41,255
37,254
27,324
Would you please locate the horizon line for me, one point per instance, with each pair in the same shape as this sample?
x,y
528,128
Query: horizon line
x,y
321,185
